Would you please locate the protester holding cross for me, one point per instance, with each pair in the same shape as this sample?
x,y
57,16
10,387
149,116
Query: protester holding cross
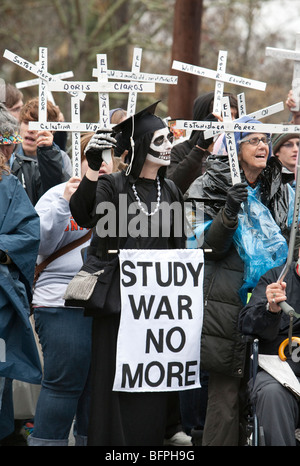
x,y
120,418
246,228
38,163
276,406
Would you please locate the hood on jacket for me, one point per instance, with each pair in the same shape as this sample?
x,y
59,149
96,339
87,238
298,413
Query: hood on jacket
x,y
203,106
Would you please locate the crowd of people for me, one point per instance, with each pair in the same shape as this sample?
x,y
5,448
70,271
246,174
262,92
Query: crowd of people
x,y
50,219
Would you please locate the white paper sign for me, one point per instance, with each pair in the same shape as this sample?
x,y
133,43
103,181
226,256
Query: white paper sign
x,y
158,346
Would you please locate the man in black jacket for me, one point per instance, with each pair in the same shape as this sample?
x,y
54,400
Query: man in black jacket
x,y
277,408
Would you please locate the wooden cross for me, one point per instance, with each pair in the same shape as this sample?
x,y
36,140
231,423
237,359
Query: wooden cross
x,y
258,115
136,75
236,125
230,142
227,126
43,91
290,55
103,88
37,70
135,68
78,91
219,86
103,97
35,82
220,76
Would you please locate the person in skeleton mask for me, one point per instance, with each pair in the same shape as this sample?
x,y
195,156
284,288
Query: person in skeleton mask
x,y
123,419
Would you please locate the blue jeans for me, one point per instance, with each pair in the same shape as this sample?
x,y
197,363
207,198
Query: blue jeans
x,y
65,337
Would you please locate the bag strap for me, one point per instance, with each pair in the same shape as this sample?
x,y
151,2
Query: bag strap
x,y
68,247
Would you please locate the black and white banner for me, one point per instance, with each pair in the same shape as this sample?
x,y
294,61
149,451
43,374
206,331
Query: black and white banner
x,y
158,346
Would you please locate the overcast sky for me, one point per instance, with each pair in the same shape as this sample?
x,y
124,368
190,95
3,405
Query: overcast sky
x,y
283,16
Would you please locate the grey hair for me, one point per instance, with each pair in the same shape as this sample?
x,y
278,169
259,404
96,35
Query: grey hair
x,y
8,123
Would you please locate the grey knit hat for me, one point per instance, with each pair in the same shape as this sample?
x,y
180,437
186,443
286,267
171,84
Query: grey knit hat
x,y
279,139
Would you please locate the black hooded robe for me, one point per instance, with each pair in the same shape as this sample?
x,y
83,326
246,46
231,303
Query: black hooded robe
x,y
118,418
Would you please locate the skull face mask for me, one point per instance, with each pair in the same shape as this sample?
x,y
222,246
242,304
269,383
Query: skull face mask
x,y
160,147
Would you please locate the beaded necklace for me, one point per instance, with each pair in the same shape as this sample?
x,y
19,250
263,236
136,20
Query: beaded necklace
x,y
139,200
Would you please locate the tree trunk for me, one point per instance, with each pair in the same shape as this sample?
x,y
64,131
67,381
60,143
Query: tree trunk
x,y
186,46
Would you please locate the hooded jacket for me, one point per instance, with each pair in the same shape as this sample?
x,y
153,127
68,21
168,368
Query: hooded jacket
x,y
19,238
188,161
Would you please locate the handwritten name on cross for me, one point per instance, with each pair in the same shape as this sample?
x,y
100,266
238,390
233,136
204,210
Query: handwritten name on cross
x,y
35,82
38,71
219,86
136,75
236,125
103,97
75,126
218,75
262,113
43,91
258,115
135,68
230,142
290,55
229,127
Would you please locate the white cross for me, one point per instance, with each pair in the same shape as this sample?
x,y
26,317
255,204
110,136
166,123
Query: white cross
x,y
103,97
229,127
290,55
219,76
230,142
35,82
219,86
41,70
258,115
78,91
236,125
136,75
135,68
43,91
102,87
37,70
76,145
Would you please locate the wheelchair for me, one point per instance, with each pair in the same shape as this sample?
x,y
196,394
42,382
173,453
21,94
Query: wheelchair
x,y
255,432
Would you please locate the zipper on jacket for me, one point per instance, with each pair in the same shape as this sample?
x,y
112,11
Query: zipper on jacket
x,y
209,288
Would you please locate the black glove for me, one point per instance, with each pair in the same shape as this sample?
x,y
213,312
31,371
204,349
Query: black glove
x,y
205,143
100,141
235,196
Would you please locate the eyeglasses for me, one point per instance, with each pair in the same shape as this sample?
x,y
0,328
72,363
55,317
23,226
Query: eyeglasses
x,y
291,144
256,141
